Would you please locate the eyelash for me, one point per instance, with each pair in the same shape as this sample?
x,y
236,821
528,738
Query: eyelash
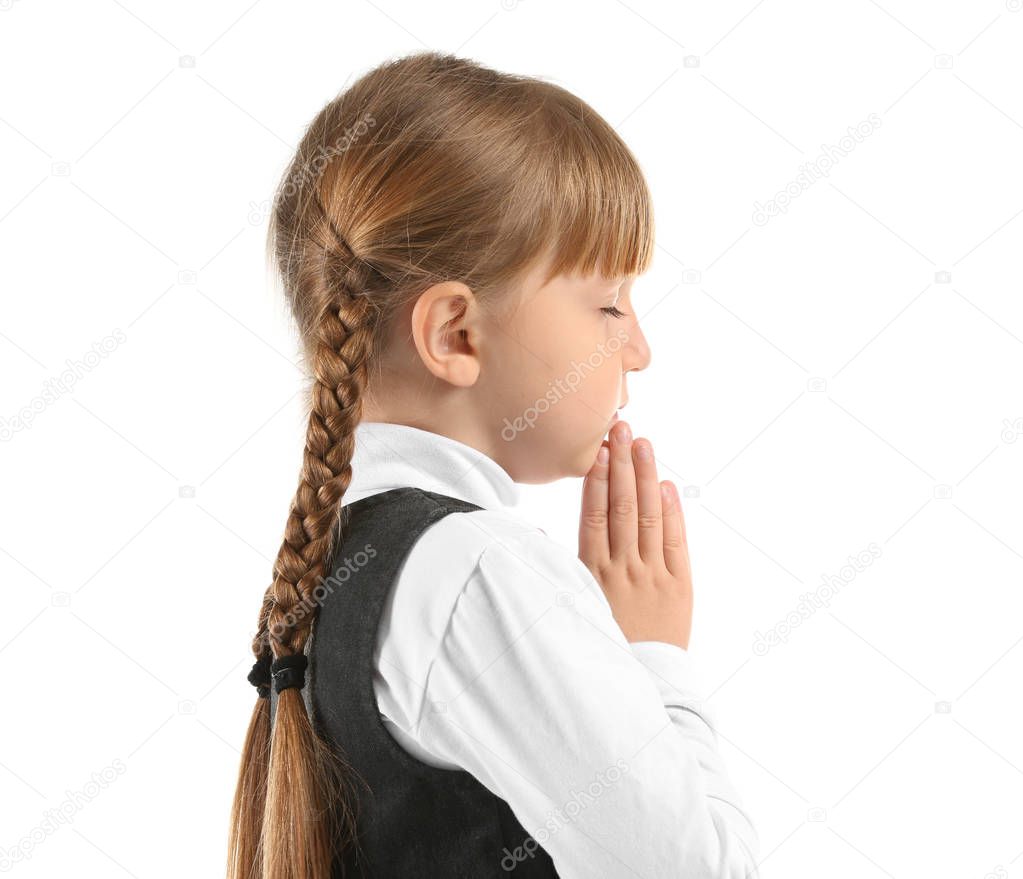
x,y
613,311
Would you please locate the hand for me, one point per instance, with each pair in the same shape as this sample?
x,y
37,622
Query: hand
x,y
632,537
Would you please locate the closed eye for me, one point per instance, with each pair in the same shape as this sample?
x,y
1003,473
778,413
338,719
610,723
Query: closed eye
x,y
613,311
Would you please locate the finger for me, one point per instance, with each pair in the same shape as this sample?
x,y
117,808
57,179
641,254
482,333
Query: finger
x,y
676,546
593,542
622,523
648,493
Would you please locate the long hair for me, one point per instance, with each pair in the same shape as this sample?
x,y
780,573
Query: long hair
x,y
429,167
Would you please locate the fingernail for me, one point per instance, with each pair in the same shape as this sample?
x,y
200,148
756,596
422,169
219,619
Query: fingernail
x,y
622,432
643,451
603,455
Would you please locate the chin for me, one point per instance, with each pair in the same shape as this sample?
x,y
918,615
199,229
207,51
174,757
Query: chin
x,y
584,460
580,470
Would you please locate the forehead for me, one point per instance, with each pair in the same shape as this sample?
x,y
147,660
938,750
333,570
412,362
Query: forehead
x,y
593,284
577,287
611,285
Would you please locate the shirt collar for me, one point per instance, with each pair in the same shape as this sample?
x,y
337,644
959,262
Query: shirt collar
x,y
397,455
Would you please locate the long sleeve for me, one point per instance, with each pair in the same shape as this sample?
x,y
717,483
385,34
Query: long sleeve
x,y
671,668
590,740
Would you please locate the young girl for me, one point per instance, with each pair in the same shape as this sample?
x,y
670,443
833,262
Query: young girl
x,y
444,690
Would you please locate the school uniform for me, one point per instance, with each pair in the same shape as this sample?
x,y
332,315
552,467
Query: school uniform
x,y
471,671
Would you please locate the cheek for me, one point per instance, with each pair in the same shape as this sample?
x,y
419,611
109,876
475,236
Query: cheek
x,y
607,381
593,377
571,364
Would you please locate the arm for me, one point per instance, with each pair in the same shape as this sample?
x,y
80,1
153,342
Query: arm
x,y
535,691
672,670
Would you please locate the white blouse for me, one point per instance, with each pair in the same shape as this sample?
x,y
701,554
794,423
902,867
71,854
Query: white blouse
x,y
498,654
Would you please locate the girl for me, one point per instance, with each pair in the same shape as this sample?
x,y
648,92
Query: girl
x,y
458,248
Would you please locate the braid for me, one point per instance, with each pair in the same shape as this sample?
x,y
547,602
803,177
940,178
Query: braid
x,y
298,756
342,349
310,535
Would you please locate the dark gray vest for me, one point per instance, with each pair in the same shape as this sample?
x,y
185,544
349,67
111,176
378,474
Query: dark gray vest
x,y
416,819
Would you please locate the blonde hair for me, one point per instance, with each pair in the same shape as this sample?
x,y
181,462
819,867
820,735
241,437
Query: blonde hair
x,y
429,167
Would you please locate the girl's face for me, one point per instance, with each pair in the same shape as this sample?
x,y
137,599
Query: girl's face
x,y
554,375
534,382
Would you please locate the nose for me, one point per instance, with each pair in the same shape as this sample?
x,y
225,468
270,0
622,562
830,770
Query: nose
x,y
636,353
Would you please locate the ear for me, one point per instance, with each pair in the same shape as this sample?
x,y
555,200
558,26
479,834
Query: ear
x,y
446,331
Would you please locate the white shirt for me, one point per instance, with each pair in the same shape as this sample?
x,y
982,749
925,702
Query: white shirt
x,y
498,654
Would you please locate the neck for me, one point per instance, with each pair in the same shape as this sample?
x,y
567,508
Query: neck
x,y
455,421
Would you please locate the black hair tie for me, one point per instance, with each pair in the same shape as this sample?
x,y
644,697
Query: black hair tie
x,y
259,677
289,671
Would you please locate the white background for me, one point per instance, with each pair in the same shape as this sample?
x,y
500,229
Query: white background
x,y
845,376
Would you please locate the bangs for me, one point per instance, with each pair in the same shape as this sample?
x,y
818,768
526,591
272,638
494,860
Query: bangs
x,y
597,214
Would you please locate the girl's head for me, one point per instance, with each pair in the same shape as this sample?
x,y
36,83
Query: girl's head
x,y
452,242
